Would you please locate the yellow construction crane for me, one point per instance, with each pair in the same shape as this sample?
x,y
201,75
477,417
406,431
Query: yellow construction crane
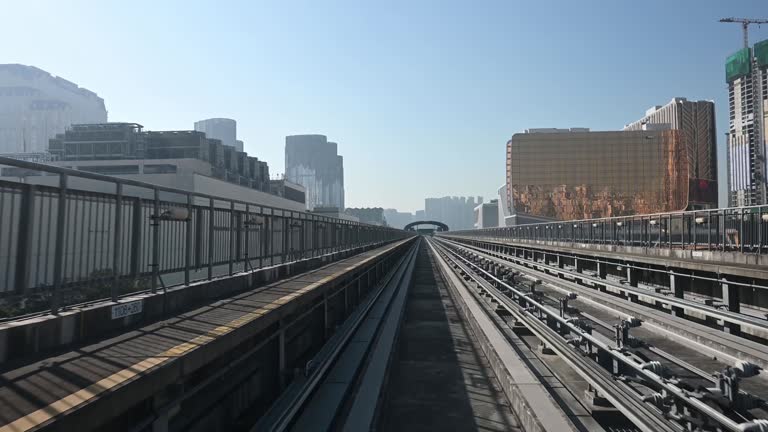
x,y
745,22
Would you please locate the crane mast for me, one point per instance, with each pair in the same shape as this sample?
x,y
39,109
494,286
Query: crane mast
x,y
745,22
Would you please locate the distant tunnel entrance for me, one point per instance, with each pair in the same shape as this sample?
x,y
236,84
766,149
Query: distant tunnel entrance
x,y
439,225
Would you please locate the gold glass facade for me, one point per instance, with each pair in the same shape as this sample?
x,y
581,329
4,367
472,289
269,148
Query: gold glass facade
x,y
578,175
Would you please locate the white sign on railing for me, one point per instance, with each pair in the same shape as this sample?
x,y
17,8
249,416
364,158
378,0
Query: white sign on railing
x,y
125,309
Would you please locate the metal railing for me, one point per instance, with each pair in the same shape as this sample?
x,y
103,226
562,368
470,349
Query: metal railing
x,y
738,229
108,237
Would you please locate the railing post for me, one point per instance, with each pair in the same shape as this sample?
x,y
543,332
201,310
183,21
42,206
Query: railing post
x,y
741,231
58,264
211,211
246,227
188,241
118,241
24,243
695,232
725,229
760,230
303,240
268,234
669,230
155,239
136,239
231,236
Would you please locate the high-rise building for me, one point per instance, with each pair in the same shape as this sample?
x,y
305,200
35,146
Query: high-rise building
x,y
222,129
746,73
456,212
576,174
35,106
313,162
696,122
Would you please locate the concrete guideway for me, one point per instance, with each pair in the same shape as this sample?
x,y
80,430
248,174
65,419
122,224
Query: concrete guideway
x,y
424,355
526,304
532,401
103,384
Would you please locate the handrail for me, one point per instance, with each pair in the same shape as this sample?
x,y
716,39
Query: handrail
x,y
62,246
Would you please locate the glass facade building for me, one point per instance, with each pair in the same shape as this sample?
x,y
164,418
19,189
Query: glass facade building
x,y
313,162
580,174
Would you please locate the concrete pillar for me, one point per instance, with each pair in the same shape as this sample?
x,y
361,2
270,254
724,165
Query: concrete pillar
x,y
602,270
633,275
732,299
560,261
579,265
679,285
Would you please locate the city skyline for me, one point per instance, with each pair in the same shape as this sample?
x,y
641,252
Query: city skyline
x,y
460,113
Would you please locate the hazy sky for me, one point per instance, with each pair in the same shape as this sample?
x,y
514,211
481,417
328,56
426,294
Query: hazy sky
x,y
420,95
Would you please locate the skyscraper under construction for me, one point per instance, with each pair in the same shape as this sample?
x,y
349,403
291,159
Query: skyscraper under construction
x,y
746,72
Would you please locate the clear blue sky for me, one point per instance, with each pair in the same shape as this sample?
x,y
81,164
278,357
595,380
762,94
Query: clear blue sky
x,y
420,95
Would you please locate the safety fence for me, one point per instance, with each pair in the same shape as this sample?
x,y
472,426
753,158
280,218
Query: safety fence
x,y
61,245
739,229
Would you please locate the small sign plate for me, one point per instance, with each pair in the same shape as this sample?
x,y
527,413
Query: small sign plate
x,y
125,309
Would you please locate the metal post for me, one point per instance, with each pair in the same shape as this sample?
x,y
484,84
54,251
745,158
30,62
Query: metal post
x,y
694,230
136,239
741,231
286,225
24,243
118,237
211,211
231,236
269,227
188,248
58,265
247,228
759,230
669,230
198,242
155,240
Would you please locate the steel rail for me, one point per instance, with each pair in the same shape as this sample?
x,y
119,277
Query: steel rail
x,y
648,375
731,317
642,415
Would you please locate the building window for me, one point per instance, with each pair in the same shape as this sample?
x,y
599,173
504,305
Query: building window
x,y
160,169
111,169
